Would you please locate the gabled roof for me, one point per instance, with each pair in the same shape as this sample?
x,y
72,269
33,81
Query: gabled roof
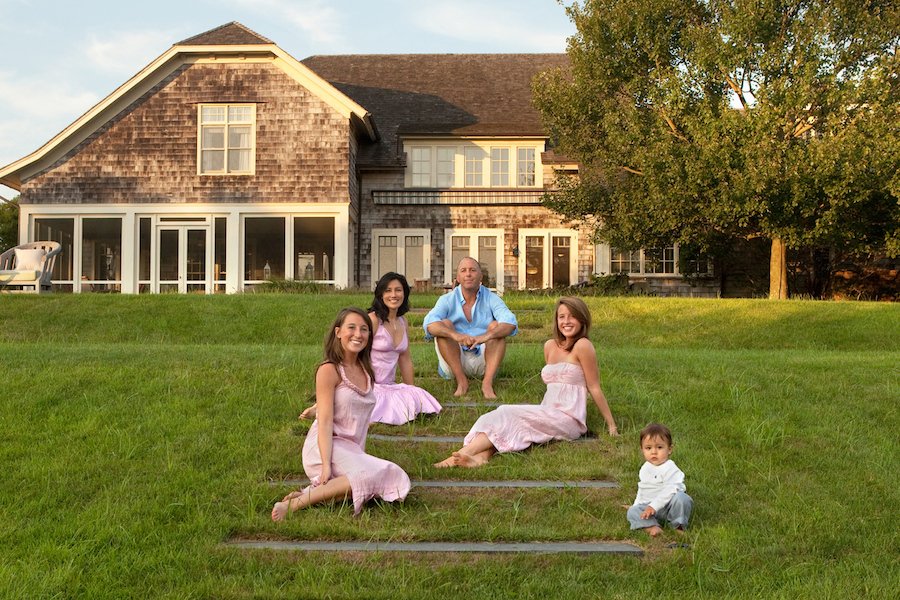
x,y
227,34
439,94
230,41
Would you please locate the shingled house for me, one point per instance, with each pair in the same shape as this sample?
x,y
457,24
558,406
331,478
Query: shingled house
x,y
226,162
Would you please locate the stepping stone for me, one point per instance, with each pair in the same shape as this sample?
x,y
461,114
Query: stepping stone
x,y
464,547
470,404
439,438
512,483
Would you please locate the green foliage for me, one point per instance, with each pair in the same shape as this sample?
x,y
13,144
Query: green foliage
x,y
9,224
698,122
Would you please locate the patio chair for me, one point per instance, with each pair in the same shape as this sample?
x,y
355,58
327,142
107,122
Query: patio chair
x,y
27,268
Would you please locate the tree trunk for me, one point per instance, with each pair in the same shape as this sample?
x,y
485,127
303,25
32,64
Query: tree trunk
x,y
778,288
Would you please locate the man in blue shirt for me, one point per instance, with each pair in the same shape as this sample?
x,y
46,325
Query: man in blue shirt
x,y
470,325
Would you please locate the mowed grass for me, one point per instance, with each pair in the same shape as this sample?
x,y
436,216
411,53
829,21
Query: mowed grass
x,y
140,433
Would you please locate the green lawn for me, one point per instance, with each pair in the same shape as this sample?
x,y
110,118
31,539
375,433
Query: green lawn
x,y
139,433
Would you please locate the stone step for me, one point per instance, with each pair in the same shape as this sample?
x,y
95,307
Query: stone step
x,y
511,483
439,438
463,547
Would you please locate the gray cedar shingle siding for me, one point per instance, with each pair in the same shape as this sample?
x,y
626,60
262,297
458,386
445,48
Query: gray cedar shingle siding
x,y
148,153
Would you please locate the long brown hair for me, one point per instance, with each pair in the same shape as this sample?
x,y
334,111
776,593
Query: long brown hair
x,y
334,354
579,310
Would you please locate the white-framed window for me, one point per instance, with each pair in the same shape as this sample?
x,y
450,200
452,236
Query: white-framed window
x,y
420,165
547,258
525,167
484,245
446,166
474,165
404,251
226,139
499,167
653,262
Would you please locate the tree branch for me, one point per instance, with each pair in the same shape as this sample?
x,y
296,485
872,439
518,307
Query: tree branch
x,y
630,170
736,89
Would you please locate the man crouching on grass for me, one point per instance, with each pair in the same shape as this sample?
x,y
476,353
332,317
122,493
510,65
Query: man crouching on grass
x,y
470,325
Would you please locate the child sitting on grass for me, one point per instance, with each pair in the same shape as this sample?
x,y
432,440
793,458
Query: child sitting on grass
x,y
661,492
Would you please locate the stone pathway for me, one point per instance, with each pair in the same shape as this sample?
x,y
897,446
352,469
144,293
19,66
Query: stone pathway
x,y
440,438
510,483
466,547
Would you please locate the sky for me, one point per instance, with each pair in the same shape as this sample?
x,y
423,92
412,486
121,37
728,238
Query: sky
x,y
59,58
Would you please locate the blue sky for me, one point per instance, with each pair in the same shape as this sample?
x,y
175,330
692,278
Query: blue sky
x,y
58,58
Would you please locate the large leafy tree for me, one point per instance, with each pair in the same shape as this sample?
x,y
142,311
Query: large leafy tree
x,y
9,223
699,121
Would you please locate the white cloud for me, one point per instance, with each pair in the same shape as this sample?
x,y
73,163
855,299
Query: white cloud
x,y
127,52
320,21
491,24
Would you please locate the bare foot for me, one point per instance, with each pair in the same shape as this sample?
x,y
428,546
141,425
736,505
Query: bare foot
x,y
309,413
280,510
654,531
447,462
461,389
487,390
467,461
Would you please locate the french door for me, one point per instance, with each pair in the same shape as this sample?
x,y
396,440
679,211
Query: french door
x,y
549,259
183,264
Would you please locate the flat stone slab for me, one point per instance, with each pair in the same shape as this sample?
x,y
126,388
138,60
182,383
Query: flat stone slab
x,y
463,547
470,404
440,438
511,483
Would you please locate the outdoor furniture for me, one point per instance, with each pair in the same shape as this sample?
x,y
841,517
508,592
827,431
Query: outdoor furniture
x,y
27,268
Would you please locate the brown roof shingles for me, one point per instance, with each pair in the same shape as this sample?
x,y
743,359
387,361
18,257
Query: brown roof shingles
x,y
228,34
438,94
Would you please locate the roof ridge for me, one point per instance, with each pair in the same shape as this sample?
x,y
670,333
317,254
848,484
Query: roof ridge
x,y
201,38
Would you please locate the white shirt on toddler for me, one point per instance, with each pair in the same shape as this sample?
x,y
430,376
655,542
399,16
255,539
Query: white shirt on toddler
x,y
658,485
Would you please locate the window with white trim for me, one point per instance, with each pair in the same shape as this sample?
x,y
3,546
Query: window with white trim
x,y
420,162
474,165
484,245
650,261
547,258
404,251
525,167
227,138
446,166
499,167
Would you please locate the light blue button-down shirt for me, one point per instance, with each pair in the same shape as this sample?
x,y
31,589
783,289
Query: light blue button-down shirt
x,y
488,307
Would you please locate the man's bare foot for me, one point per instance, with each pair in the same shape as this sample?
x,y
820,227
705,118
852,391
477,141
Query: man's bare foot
x,y
467,461
461,389
280,510
309,413
447,462
487,390
654,530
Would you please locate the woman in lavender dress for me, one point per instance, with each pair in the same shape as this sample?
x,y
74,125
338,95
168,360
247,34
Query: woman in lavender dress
x,y
395,403
334,455
570,374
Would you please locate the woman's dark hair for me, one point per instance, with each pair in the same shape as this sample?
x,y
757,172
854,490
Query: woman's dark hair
x,y
381,311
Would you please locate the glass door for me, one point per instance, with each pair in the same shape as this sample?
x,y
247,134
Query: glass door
x,y
183,265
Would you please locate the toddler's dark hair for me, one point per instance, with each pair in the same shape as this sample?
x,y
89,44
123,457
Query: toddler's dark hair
x,y
656,430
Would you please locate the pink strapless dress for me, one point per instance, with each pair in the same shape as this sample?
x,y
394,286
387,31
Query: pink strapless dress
x,y
396,403
562,415
370,477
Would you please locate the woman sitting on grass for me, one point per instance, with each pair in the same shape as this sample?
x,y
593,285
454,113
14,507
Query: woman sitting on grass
x,y
333,455
395,403
570,373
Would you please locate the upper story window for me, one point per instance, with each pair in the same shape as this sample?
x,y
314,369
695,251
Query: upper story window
x,y
474,163
420,163
499,167
227,139
525,167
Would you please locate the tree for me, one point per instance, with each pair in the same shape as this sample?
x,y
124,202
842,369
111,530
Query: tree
x,y
9,223
697,121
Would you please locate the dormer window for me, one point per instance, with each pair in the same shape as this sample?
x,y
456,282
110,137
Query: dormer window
x,y
226,141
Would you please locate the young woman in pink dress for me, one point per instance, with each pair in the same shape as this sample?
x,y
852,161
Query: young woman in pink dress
x,y
395,403
570,373
334,458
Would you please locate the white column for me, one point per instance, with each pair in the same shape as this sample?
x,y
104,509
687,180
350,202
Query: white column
x,y
233,250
